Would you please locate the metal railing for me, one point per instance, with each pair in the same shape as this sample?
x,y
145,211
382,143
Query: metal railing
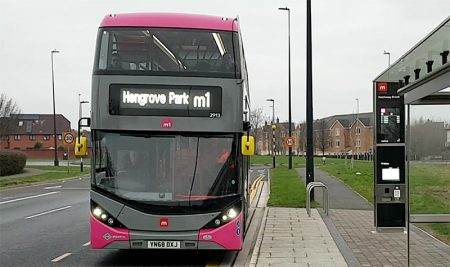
x,y
309,188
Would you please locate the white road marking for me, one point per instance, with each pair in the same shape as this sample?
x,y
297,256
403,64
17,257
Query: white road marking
x,y
53,187
62,257
24,198
47,212
86,244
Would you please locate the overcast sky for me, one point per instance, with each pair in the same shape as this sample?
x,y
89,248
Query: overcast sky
x,y
349,38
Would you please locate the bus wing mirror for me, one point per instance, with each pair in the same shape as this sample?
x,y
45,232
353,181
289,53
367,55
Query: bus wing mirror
x,y
248,145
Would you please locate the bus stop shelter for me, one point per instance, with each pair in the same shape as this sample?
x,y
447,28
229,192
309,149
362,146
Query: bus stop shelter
x,y
422,76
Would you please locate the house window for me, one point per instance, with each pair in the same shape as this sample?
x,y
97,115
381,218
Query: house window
x,y
20,123
59,137
46,137
338,143
358,143
32,137
337,131
17,137
358,131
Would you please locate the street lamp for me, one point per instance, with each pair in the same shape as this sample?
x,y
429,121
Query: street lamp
x,y
357,107
54,113
309,100
356,133
80,108
289,75
273,129
80,116
389,57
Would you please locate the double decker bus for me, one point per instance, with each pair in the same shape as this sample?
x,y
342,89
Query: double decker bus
x,y
170,142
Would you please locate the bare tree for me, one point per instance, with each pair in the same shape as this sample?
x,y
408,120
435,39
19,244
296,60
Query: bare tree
x,y
8,114
427,139
257,119
321,136
301,142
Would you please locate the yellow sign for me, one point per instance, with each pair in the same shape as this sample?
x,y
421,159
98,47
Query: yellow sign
x,y
81,147
68,138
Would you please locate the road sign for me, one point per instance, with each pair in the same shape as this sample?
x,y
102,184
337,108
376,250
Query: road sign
x,y
289,141
68,138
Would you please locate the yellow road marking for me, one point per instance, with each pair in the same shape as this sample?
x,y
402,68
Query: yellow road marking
x,y
61,257
254,187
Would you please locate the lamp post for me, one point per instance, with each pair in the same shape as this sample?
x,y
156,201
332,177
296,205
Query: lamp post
x,y
309,101
389,57
273,129
56,162
80,116
80,108
289,78
356,133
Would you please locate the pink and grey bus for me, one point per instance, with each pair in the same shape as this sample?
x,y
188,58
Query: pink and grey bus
x,y
170,144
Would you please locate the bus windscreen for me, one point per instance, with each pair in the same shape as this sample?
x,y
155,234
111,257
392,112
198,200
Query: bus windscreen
x,y
165,168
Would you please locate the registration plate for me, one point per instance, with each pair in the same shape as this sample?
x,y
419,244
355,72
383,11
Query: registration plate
x,y
164,244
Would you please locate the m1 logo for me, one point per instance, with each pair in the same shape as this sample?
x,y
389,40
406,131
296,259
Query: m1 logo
x,y
164,222
167,123
382,88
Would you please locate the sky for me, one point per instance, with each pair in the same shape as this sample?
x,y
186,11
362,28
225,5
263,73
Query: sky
x,y
349,37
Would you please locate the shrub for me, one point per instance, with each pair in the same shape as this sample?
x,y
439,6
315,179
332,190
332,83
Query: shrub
x,y
11,162
38,146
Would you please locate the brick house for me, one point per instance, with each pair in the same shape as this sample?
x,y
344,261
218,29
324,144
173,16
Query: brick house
x,y
348,134
27,130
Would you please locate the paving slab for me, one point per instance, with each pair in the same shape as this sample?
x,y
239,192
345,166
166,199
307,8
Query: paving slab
x,y
302,240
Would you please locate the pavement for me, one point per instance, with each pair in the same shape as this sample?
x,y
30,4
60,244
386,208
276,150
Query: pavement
x,y
347,237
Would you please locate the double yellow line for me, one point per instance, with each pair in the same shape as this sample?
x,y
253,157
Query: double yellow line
x,y
254,188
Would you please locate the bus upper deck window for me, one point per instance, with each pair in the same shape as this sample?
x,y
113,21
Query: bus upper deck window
x,y
103,57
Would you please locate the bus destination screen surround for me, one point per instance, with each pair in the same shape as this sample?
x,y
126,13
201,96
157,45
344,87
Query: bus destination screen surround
x,y
186,101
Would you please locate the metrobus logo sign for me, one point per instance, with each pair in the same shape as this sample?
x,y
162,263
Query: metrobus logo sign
x,y
382,88
167,123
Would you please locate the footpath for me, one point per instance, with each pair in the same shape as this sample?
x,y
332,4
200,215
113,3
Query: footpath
x,y
347,237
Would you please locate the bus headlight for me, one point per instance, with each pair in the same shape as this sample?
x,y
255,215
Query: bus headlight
x,y
97,212
232,213
226,216
103,216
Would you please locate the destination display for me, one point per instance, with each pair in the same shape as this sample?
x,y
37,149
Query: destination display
x,y
390,111
158,100
390,125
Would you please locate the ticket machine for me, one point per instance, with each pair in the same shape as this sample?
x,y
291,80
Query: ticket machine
x,y
390,196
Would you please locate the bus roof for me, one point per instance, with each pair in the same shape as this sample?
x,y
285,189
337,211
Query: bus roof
x,y
170,20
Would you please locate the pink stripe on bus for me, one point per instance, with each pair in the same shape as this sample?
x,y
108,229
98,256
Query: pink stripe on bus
x,y
228,236
102,235
170,20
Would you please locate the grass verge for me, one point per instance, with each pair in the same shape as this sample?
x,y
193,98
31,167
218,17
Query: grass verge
x,y
52,173
287,189
297,162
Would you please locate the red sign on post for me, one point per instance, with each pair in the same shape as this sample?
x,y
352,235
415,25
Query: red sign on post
x,y
289,141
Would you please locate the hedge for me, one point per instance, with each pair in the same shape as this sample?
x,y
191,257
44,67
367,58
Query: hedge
x,y
11,162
